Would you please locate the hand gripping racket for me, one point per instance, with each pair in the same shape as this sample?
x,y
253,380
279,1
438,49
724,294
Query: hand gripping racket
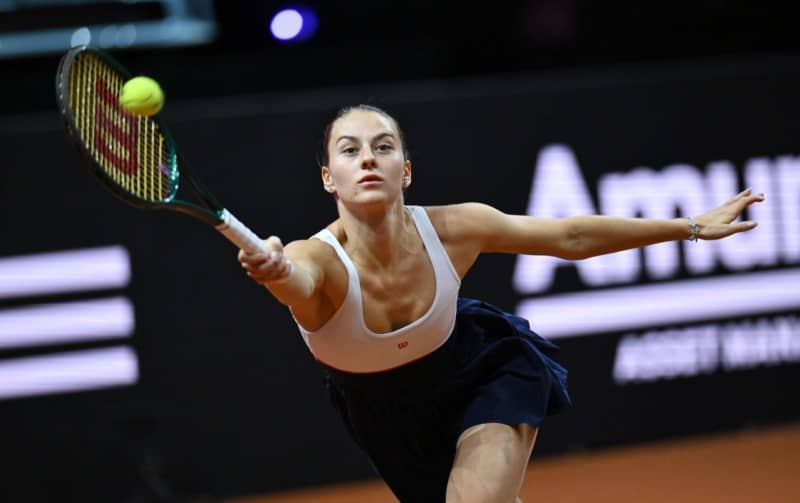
x,y
133,156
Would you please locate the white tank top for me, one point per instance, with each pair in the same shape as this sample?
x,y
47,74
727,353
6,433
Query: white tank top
x,y
344,342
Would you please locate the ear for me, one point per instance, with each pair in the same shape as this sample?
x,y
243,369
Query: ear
x,y
407,174
327,181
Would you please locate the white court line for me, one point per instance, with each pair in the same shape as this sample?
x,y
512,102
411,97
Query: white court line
x,y
66,372
66,322
64,271
682,301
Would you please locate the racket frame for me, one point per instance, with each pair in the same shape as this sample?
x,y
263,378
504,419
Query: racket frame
x,y
212,212
179,172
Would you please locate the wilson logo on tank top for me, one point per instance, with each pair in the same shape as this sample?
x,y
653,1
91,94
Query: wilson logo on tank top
x,y
402,345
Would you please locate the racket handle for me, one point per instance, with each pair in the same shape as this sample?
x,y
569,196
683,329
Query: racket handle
x,y
239,233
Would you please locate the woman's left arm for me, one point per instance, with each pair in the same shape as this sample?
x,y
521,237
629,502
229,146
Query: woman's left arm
x,y
581,237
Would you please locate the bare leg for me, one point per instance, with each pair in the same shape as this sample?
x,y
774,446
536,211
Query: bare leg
x,y
490,463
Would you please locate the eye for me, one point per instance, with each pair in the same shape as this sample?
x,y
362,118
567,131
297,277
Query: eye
x,y
349,150
384,147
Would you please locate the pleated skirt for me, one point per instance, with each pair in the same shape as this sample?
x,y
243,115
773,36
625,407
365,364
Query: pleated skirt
x,y
492,369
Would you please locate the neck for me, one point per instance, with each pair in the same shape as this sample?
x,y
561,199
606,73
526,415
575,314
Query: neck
x,y
377,237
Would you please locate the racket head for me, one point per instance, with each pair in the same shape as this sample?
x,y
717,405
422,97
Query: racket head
x,y
132,156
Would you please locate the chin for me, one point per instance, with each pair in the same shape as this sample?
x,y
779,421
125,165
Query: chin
x,y
375,198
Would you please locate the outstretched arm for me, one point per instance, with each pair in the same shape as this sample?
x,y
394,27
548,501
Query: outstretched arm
x,y
580,237
293,276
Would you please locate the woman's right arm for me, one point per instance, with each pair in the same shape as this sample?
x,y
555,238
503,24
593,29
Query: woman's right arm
x,y
294,275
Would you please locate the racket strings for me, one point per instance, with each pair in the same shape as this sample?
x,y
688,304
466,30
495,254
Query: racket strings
x,y
131,150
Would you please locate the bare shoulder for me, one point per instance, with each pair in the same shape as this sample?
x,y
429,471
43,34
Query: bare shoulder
x,y
318,256
312,250
463,230
309,247
462,220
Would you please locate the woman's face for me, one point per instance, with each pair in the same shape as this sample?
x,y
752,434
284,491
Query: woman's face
x,y
366,162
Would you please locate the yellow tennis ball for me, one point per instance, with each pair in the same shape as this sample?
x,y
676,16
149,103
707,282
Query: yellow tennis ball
x,y
141,96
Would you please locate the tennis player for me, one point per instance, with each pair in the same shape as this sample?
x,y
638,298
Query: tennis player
x,y
445,395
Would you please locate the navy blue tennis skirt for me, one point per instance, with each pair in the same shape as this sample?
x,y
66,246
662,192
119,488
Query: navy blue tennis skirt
x,y
492,369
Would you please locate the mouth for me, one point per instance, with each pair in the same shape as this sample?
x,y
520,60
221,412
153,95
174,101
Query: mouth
x,y
370,179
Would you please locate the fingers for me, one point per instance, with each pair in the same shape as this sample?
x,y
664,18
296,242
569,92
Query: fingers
x,y
274,244
738,227
269,266
737,204
746,200
738,197
720,222
745,226
720,231
746,196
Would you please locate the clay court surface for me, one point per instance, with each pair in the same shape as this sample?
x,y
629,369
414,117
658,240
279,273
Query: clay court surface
x,y
751,466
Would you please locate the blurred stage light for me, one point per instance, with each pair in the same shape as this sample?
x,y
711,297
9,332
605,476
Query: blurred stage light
x,y
293,24
81,36
31,27
52,322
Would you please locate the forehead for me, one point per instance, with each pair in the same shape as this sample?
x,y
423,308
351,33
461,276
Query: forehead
x,y
361,122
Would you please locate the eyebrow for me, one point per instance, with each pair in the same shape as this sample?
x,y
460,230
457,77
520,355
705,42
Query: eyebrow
x,y
376,137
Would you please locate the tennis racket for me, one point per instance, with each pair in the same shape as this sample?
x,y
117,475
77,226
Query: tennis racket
x,y
133,156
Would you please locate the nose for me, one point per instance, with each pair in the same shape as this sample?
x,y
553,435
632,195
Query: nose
x,y
367,158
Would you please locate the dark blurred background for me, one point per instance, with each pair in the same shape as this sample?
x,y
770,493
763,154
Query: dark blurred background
x,y
393,41
549,107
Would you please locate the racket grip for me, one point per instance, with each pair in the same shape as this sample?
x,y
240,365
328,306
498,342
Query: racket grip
x,y
239,233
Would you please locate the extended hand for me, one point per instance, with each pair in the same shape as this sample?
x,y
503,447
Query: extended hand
x,y
718,223
265,267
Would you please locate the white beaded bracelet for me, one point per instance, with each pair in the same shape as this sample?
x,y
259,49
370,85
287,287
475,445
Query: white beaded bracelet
x,y
695,229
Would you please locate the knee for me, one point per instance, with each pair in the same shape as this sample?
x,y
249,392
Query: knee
x,y
499,485
490,464
477,493
465,487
